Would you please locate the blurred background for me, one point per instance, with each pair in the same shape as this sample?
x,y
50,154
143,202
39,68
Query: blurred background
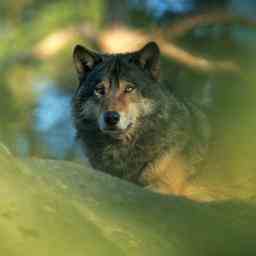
x,y
203,43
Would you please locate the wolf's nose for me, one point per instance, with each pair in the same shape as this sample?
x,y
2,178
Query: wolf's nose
x,y
111,117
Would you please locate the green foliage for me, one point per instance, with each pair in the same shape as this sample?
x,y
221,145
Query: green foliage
x,y
25,24
47,18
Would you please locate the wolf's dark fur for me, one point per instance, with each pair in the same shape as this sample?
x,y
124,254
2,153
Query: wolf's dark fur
x,y
172,127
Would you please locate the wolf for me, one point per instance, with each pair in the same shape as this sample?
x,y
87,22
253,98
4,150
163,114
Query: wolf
x,y
131,124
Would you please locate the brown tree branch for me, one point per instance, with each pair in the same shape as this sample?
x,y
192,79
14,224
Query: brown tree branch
x,y
180,28
121,39
54,42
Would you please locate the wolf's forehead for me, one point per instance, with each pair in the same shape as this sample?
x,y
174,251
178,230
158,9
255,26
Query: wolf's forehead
x,y
114,66
112,69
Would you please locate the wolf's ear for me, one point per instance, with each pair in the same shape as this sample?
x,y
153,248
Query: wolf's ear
x,y
148,59
84,60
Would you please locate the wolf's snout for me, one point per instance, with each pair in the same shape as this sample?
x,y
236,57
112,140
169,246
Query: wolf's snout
x,y
111,117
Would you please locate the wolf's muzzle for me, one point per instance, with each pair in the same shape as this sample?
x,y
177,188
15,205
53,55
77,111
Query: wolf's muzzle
x,y
111,118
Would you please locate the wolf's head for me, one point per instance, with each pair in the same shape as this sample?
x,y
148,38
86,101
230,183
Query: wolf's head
x,y
115,91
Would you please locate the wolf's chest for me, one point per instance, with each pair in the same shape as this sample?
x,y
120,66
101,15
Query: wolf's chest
x,y
122,161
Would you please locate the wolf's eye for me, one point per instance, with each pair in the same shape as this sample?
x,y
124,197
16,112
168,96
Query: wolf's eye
x,y
100,90
129,88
